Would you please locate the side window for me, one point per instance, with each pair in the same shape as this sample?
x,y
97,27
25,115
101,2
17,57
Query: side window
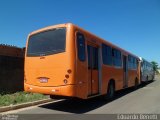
x,y
89,57
81,46
144,64
114,56
117,61
129,62
107,54
119,58
133,62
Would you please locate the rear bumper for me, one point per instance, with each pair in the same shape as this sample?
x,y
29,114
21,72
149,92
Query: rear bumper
x,y
67,90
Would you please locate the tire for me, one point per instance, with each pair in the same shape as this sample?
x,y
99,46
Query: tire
x,y
111,91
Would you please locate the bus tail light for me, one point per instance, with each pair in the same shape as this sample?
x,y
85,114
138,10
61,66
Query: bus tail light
x,y
65,81
69,71
67,76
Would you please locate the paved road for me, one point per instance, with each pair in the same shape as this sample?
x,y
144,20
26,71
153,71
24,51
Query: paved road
x,y
146,99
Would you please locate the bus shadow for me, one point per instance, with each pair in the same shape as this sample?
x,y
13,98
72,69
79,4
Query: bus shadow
x,y
83,106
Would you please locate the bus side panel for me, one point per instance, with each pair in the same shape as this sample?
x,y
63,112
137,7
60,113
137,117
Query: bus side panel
x,y
108,73
81,70
132,75
139,72
118,77
81,79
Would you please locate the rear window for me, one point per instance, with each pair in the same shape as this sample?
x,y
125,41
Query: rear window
x,y
47,43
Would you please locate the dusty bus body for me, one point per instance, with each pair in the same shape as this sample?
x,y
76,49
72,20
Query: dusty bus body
x,y
147,72
65,60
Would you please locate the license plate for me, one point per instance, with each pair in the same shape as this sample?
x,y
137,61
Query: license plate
x,y
43,80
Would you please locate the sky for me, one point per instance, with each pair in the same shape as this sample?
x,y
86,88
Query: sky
x,y
133,25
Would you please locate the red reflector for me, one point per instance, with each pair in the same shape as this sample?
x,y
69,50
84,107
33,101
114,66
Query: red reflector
x,y
67,76
69,71
65,81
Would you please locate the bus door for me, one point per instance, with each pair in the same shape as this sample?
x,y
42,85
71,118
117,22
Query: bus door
x,y
93,82
125,72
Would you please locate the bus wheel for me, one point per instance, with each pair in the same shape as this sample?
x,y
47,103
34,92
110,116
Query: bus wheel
x,y
110,91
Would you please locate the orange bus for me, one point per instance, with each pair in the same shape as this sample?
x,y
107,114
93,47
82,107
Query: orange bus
x,y
67,61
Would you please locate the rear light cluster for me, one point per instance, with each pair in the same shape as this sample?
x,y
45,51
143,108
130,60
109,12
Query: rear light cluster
x,y
65,81
69,71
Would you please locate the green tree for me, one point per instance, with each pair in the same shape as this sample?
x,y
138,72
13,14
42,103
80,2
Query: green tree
x,y
155,66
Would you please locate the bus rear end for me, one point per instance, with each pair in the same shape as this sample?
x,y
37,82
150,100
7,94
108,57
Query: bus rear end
x,y
49,59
